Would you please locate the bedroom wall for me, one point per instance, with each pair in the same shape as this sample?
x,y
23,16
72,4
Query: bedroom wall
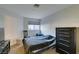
x,y
68,17
25,23
13,25
1,21
1,28
13,28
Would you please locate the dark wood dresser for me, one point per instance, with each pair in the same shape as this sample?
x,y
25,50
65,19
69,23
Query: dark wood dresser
x,y
4,47
67,40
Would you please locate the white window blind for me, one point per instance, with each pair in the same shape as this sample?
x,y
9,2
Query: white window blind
x,y
33,27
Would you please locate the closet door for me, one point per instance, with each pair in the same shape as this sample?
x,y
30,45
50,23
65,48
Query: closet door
x,y
65,42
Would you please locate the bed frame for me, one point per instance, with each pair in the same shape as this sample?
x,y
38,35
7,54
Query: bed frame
x,y
40,46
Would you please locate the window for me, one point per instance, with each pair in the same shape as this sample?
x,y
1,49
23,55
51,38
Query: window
x,y
34,27
31,27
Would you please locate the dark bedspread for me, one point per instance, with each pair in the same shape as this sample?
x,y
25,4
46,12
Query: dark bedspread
x,y
37,42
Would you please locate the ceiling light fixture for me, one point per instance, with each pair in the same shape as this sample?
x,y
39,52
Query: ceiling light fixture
x,y
36,5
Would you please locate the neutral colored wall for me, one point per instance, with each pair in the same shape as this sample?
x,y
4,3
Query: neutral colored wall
x,y
25,23
13,28
13,24
69,17
1,21
1,28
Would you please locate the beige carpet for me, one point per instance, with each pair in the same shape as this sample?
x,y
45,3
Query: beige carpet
x,y
50,51
20,50
17,49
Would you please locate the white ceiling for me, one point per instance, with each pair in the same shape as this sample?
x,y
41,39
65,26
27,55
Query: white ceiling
x,y
27,10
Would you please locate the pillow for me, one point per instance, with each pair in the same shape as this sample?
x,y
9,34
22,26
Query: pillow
x,y
49,37
39,34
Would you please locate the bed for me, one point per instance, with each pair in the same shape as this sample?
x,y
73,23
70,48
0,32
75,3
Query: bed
x,y
37,43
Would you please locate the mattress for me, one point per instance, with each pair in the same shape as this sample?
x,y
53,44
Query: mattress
x,y
37,40
51,45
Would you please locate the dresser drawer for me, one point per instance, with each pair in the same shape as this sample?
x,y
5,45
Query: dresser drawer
x,y
65,39
66,42
64,29
64,47
61,51
64,32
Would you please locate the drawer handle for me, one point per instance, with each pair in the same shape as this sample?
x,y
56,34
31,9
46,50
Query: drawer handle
x,y
64,44
64,40
63,35
63,50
